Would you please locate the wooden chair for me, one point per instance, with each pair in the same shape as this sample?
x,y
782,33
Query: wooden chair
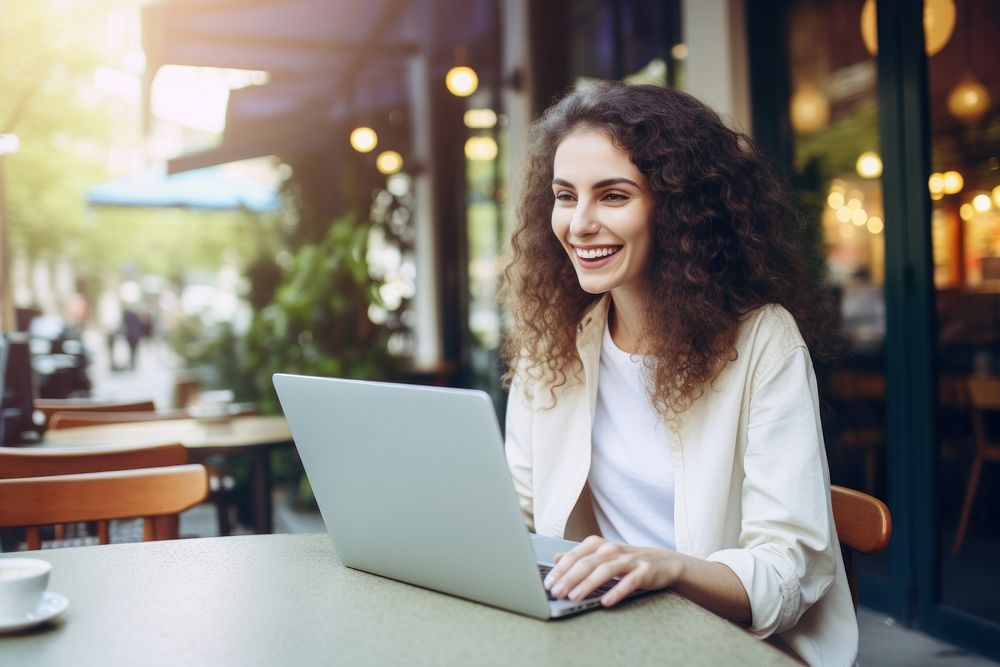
x,y
864,525
155,494
49,406
221,484
44,462
16,462
984,396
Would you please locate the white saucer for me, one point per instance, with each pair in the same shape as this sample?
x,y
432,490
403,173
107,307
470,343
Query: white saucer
x,y
51,605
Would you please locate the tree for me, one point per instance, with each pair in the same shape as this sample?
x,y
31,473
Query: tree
x,y
48,53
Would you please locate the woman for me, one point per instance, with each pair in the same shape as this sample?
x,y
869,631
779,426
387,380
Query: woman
x,y
663,403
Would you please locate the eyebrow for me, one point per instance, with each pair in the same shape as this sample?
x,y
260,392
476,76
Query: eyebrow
x,y
599,184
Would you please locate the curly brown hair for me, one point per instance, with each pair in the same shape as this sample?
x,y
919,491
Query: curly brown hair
x,y
726,240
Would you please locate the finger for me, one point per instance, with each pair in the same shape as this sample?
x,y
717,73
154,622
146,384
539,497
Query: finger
x,y
582,569
564,561
600,575
627,585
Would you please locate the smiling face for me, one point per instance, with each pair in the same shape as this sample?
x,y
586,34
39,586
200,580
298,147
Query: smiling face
x,y
602,214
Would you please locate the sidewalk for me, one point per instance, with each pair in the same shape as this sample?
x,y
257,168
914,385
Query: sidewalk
x,y
153,377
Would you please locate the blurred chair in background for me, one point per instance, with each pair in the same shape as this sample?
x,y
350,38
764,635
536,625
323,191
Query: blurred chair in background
x,y
50,406
157,495
858,397
221,483
19,462
984,398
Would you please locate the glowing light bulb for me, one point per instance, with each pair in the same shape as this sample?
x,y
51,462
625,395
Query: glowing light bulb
x,y
981,203
480,148
461,81
809,109
869,165
936,183
480,119
363,139
968,101
388,162
939,23
952,182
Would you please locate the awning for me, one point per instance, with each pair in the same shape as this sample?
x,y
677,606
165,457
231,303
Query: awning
x,y
329,60
214,188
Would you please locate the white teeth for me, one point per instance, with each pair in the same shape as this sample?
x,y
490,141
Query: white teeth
x,y
594,253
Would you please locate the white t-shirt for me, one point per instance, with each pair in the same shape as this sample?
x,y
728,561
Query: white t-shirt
x,y
631,473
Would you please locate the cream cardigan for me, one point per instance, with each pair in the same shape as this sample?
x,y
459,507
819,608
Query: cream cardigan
x,y
751,478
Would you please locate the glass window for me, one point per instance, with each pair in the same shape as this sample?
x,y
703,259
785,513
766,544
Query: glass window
x,y
964,89
833,109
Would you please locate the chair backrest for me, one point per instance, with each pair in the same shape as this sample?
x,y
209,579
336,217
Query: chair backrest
x,y
984,393
75,419
863,524
43,462
155,494
49,406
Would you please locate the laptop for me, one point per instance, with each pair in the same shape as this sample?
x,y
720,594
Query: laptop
x,y
412,484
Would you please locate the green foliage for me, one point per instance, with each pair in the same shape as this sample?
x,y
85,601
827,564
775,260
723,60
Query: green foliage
x,y
48,53
834,151
317,323
170,241
214,355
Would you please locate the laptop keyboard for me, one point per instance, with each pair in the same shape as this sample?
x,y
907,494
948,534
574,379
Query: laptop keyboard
x,y
601,590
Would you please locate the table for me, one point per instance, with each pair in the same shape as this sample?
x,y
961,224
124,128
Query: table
x,y
253,436
285,600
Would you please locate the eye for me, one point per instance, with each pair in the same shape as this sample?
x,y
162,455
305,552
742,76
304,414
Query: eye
x,y
616,197
565,196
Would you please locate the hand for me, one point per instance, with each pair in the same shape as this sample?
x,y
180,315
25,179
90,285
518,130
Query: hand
x,y
595,561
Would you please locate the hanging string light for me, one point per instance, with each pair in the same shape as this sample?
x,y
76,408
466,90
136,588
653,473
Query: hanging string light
x,y
939,23
461,80
809,109
969,100
388,162
364,139
869,165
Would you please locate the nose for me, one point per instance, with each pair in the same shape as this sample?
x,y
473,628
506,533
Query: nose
x,y
584,221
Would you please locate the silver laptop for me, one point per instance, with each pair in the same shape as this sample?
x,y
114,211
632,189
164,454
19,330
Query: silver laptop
x,y
412,483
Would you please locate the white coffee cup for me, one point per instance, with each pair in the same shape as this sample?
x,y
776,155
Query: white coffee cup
x,y
212,406
22,583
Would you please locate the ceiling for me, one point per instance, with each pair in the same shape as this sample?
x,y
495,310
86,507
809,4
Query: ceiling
x,y
328,61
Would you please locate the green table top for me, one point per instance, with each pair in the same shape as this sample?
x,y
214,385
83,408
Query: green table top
x,y
286,600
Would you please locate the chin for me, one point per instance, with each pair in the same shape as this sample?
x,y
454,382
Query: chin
x,y
591,287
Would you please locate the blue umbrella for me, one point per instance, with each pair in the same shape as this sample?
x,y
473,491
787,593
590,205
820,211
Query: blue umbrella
x,y
213,188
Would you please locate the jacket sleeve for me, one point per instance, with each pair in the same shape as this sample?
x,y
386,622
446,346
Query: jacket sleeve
x,y
786,552
517,445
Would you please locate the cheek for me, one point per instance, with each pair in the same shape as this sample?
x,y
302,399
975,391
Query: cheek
x,y
560,223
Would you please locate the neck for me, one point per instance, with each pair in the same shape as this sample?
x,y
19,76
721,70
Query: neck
x,y
626,323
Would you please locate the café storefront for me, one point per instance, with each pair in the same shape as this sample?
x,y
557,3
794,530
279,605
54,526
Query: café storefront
x,y
884,117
